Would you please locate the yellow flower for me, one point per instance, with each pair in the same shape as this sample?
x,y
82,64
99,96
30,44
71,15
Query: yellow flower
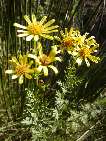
x,y
21,68
85,53
85,49
67,40
44,61
35,28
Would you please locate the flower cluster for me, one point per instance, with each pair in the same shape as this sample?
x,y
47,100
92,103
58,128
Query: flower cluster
x,y
81,47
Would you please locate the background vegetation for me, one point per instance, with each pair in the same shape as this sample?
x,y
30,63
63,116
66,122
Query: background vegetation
x,y
73,104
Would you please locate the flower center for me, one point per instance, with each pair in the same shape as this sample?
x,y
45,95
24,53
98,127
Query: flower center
x,y
85,52
21,69
45,60
67,42
35,29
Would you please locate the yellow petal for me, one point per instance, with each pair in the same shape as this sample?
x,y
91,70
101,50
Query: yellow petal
x,y
69,52
36,37
58,59
33,18
14,76
74,53
20,26
28,76
23,35
14,60
94,59
9,71
51,31
49,23
53,68
87,62
21,79
21,59
43,19
27,19
24,59
30,70
66,32
79,61
39,69
51,27
23,31
45,70
47,36
30,63
57,38
32,56
29,38
53,52
62,33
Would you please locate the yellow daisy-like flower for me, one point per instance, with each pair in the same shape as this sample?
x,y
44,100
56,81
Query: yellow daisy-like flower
x,y
85,49
35,28
44,61
67,40
84,53
21,68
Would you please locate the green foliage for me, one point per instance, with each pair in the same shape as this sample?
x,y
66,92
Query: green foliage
x,y
64,119
59,121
